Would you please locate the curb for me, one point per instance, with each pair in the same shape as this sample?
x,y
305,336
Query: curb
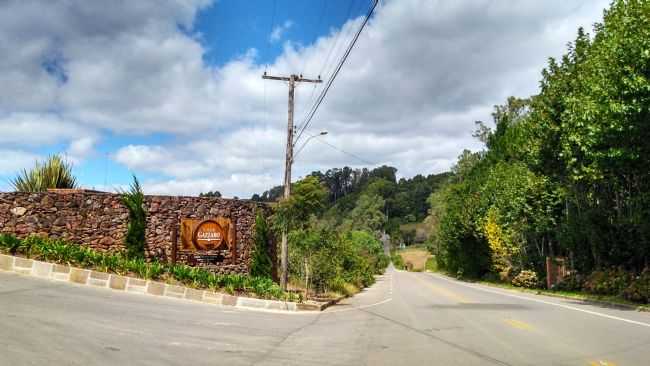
x,y
91,278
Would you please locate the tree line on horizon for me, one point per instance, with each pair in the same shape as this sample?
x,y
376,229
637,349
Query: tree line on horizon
x,y
393,201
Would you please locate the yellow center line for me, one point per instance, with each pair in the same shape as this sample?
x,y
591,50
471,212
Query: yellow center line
x,y
444,292
518,324
601,363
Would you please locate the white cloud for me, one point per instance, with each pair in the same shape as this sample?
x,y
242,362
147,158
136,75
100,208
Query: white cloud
x,y
224,184
80,149
12,161
420,75
279,30
39,128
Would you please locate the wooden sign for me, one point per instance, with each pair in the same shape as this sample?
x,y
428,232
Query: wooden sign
x,y
205,235
208,235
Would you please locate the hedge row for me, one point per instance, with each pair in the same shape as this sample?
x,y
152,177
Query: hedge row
x,y
611,282
63,252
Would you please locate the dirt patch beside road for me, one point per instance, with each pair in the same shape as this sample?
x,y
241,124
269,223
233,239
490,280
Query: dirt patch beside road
x,y
415,259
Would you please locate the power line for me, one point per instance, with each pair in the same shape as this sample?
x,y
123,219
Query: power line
x,y
268,41
333,47
321,97
343,151
314,33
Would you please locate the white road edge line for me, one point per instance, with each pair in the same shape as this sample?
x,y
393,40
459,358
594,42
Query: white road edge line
x,y
369,305
359,307
542,301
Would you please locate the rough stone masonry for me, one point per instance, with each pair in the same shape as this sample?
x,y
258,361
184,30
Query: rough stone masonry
x,y
99,220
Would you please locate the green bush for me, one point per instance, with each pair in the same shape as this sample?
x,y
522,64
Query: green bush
x,y
526,279
639,289
261,265
572,282
59,251
10,243
398,261
134,241
328,259
55,172
608,282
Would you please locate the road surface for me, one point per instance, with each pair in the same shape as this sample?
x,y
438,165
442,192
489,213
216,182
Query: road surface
x,y
405,319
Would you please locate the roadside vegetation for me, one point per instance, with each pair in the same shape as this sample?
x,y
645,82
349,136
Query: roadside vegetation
x,y
261,264
54,172
135,241
397,260
373,200
326,256
565,173
63,252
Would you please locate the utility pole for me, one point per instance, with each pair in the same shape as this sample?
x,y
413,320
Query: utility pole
x,y
284,247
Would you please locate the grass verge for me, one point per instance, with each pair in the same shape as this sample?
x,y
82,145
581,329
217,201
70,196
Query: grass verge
x,y
614,301
573,295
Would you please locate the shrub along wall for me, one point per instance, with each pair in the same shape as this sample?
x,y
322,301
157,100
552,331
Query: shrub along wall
x,y
99,220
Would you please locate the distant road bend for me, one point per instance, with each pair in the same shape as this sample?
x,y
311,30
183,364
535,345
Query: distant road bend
x,y
404,319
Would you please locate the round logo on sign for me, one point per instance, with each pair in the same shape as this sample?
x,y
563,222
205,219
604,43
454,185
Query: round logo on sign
x,y
208,235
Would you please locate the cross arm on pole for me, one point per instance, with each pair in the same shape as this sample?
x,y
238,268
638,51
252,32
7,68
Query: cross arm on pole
x,y
275,77
296,78
303,80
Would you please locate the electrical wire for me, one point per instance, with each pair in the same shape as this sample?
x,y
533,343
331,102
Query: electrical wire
x,y
268,41
333,47
321,97
343,151
319,23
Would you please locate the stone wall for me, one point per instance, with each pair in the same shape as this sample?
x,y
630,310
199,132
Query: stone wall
x,y
99,220
93,219
164,217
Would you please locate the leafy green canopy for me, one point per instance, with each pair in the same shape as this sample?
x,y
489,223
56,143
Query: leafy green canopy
x,y
565,172
53,173
323,254
404,200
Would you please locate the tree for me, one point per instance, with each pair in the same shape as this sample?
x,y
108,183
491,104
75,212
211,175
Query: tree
x,y
307,199
565,172
55,172
215,194
133,199
368,213
261,265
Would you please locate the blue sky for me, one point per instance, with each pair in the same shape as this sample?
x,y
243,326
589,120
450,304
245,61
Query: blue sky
x,y
171,90
228,34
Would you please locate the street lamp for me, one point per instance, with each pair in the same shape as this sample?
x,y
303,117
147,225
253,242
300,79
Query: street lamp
x,y
322,133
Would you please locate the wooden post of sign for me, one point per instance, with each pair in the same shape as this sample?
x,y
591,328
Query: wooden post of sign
x,y
174,243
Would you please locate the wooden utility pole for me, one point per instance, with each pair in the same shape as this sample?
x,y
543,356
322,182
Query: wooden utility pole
x,y
284,248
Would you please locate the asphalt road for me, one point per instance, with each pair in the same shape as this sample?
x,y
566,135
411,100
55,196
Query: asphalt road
x,y
405,319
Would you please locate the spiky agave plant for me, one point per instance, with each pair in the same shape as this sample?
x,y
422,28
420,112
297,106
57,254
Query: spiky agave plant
x,y
55,172
133,199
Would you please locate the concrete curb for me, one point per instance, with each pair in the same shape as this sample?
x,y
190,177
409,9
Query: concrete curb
x,y
85,277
